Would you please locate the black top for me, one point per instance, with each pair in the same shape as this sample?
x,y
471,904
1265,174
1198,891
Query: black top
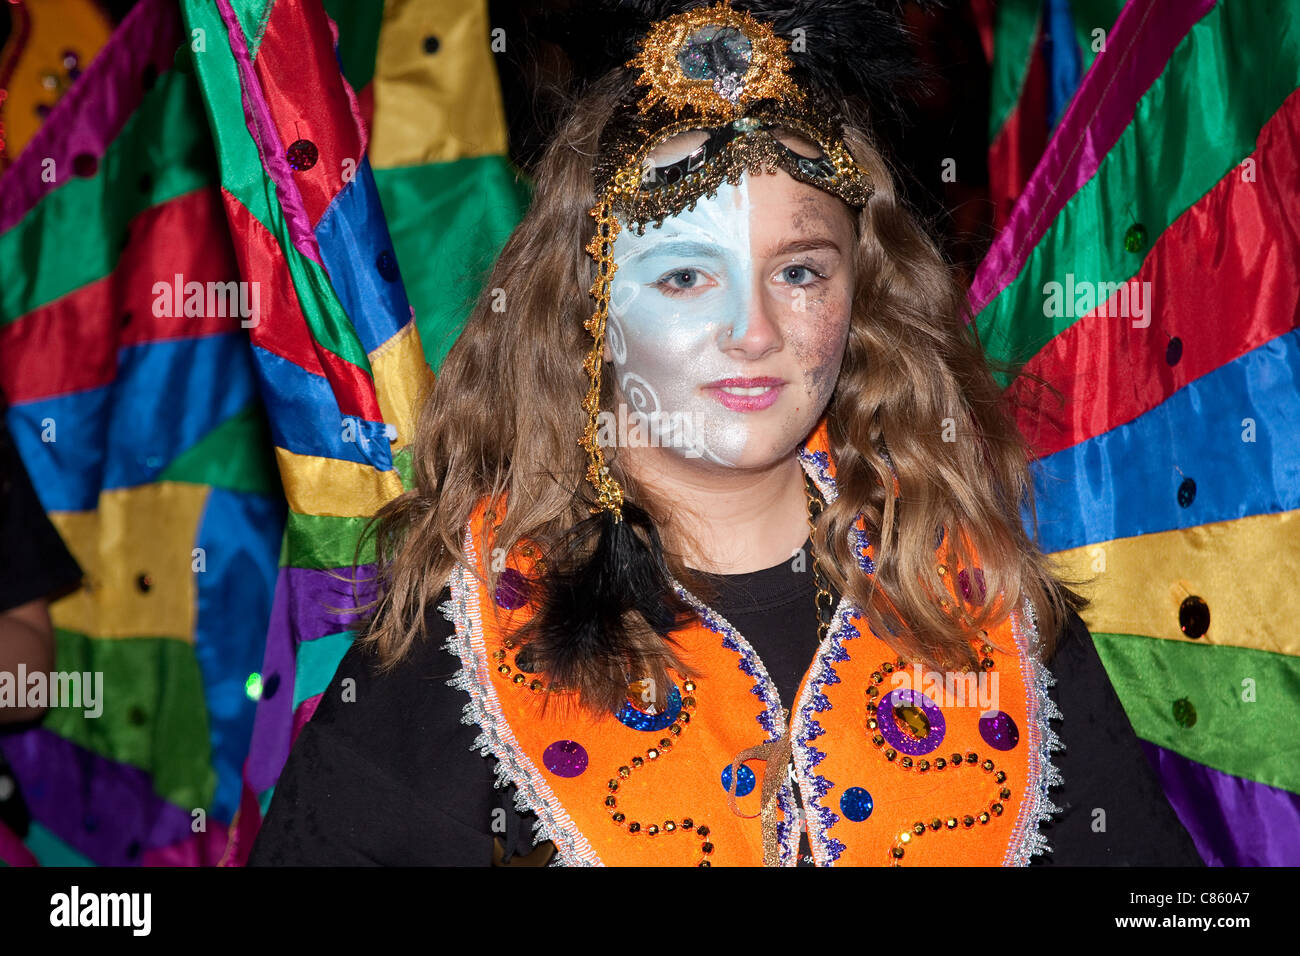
x,y
391,778
36,561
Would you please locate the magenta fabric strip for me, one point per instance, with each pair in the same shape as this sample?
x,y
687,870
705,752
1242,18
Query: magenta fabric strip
x,y
12,851
91,114
103,809
261,126
1138,49
1232,821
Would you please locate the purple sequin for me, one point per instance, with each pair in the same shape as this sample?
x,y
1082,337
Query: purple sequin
x,y
512,590
999,731
565,758
302,154
975,594
900,739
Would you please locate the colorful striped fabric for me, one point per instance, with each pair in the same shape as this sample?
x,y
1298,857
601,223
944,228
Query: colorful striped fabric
x,y
218,142
341,360
1039,50
212,478
1151,272
140,422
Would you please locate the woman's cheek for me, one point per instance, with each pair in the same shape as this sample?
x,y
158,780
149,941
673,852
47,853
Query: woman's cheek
x,y
823,331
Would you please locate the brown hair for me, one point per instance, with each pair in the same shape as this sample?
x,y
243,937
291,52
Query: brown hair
x,y
915,401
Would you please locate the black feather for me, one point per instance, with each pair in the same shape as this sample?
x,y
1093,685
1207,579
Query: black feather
x,y
601,572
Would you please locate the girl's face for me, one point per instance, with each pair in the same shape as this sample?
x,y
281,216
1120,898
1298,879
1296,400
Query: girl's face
x,y
727,324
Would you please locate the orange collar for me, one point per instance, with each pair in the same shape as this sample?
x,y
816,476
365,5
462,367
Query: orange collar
x,y
893,765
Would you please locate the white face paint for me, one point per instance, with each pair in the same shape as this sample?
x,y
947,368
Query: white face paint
x,y
722,332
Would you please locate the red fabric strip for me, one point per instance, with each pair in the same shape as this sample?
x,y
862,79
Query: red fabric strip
x,y
71,344
1021,141
282,329
1222,281
299,43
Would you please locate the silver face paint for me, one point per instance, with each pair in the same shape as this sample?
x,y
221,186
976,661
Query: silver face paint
x,y
706,297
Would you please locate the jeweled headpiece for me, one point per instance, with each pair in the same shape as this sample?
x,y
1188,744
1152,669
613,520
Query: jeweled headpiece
x,y
723,73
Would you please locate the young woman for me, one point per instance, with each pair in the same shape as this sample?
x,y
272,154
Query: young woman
x,y
747,586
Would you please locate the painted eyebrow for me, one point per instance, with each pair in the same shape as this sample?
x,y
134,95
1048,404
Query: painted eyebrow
x,y
679,247
806,244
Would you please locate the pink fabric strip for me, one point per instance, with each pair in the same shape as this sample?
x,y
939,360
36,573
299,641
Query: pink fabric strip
x,y
1138,50
90,115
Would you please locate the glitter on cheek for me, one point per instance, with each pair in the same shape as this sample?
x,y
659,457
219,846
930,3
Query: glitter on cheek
x,y
819,342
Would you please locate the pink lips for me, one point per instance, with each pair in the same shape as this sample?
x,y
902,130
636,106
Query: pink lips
x,y
745,403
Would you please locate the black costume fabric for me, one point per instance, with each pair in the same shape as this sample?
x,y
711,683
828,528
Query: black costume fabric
x,y
388,777
35,560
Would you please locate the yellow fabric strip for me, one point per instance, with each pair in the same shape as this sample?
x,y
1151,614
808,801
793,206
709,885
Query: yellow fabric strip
x,y
329,486
1139,583
402,378
440,106
137,551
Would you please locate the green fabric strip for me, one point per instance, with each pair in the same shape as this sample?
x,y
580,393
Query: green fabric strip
x,y
252,16
75,235
404,466
449,222
359,25
237,455
1014,30
316,664
154,714
1147,176
1090,15
324,541
240,166
1243,700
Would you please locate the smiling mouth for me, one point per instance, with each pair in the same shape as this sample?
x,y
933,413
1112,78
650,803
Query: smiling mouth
x,y
745,395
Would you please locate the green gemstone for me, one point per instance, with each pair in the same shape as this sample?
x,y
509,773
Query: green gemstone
x,y
1184,712
1135,239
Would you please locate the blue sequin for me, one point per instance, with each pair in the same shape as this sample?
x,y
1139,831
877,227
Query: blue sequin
x,y
637,719
745,780
856,804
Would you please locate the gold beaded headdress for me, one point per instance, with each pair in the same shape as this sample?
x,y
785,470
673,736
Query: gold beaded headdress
x,y
720,72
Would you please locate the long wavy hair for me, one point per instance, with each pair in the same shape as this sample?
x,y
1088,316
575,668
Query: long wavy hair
x,y
915,403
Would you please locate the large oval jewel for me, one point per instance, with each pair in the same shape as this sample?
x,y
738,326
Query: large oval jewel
x,y
891,724
512,590
714,52
913,720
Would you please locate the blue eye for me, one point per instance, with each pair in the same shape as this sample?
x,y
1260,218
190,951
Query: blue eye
x,y
794,275
689,279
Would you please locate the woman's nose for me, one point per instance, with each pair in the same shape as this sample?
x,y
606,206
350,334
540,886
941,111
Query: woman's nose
x,y
755,331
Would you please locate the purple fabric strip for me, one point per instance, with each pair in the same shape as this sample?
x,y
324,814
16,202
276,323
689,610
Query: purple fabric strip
x,y
1232,821
261,126
1137,52
106,810
273,721
312,593
91,114
300,613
